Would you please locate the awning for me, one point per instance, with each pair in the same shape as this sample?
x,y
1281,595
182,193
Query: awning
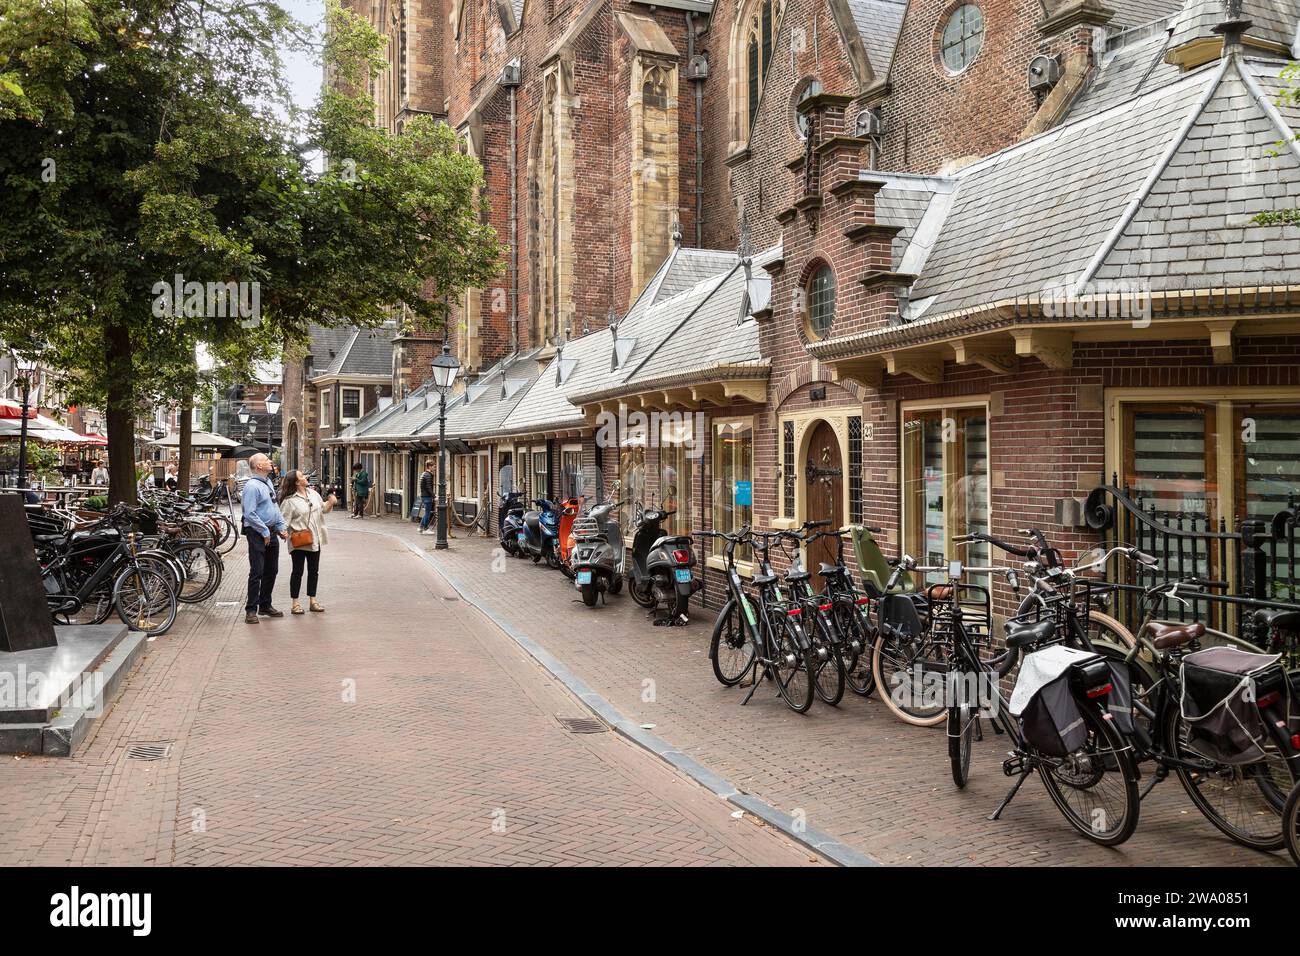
x,y
11,409
39,429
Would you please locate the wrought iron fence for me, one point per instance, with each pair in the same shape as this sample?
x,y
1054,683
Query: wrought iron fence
x,y
1256,565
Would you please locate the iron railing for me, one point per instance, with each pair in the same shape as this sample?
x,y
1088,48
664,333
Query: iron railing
x,y
1257,565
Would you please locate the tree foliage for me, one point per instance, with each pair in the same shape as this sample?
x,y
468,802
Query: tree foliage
x,y
143,142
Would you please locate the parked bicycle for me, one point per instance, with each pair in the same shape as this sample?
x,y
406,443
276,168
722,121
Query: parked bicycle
x,y
759,636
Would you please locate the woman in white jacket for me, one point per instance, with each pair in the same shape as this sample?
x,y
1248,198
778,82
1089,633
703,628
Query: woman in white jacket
x,y
304,515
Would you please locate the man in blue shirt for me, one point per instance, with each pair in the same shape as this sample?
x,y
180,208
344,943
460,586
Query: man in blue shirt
x,y
264,527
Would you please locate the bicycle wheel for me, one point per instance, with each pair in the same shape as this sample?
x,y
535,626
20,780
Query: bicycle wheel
x,y
857,664
961,740
145,600
901,665
1291,824
229,534
95,609
794,676
1095,788
827,667
203,569
1244,801
730,649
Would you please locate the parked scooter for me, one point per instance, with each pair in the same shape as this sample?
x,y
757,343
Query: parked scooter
x,y
569,511
510,521
599,557
539,537
661,568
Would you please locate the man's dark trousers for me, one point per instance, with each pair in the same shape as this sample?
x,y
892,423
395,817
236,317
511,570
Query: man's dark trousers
x,y
263,565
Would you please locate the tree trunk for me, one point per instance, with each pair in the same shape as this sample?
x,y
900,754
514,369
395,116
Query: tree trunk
x,y
186,443
120,415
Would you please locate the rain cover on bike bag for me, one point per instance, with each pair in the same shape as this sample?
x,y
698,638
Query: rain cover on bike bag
x,y
1042,699
1220,688
1119,702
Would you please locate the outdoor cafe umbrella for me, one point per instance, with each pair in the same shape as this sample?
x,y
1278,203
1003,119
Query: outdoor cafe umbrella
x,y
197,440
14,410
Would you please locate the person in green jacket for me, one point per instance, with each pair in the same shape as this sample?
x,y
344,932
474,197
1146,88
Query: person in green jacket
x,y
360,490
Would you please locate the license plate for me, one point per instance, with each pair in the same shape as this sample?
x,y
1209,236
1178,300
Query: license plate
x,y
683,575
584,577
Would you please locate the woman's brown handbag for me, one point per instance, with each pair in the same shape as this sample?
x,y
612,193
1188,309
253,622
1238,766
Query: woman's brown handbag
x,y
301,539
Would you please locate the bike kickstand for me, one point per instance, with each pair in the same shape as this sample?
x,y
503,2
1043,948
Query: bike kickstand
x,y
979,728
1015,787
752,687
1160,773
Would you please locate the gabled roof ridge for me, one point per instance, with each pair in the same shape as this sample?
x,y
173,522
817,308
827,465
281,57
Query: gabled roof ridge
x,y
1154,175
1074,126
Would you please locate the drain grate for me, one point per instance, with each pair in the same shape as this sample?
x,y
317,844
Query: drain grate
x,y
582,725
156,751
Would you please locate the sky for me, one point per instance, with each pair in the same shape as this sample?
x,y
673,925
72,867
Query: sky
x,y
305,71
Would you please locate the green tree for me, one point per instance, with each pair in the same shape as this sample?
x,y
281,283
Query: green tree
x,y
143,142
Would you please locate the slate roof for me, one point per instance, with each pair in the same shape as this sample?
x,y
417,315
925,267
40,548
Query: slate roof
x,y
325,343
878,23
1271,20
366,352
546,404
1134,13
1122,69
1032,217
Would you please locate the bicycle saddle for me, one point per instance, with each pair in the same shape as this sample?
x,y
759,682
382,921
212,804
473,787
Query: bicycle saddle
x,y
796,576
1282,620
1032,635
939,592
761,579
1165,636
826,570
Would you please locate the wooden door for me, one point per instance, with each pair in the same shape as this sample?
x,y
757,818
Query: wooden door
x,y
823,490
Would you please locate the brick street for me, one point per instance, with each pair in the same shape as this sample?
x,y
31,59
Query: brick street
x,y
401,726
858,773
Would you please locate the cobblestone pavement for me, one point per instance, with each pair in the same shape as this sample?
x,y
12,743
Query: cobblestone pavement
x,y
860,775
401,726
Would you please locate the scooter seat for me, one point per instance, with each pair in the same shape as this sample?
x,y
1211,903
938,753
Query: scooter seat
x,y
533,520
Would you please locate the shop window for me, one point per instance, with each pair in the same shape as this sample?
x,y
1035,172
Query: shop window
x,y
541,472
572,484
945,484
677,474
733,477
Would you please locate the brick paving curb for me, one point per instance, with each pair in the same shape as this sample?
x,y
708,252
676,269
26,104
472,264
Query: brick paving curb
x,y
816,840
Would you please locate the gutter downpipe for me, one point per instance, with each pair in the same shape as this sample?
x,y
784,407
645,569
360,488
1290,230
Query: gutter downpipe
x,y
514,225
698,83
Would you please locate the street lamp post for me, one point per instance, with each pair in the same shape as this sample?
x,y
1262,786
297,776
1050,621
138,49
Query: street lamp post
x,y
22,433
445,368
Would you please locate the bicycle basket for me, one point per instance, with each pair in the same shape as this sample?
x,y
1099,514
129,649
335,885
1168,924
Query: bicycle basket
x,y
1220,688
1044,701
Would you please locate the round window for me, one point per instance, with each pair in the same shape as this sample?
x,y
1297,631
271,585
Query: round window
x,y
801,119
821,302
963,35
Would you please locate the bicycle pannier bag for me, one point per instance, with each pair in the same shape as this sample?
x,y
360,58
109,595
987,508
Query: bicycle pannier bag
x,y
1119,702
1221,687
1044,701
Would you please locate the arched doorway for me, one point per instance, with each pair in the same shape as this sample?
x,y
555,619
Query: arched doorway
x,y
823,489
291,447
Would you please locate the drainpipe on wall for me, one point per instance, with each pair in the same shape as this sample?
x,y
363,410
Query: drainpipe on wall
x,y
697,70
514,226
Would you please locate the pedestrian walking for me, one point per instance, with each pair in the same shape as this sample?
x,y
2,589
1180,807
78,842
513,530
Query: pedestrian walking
x,y
100,475
304,517
360,489
263,526
426,497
